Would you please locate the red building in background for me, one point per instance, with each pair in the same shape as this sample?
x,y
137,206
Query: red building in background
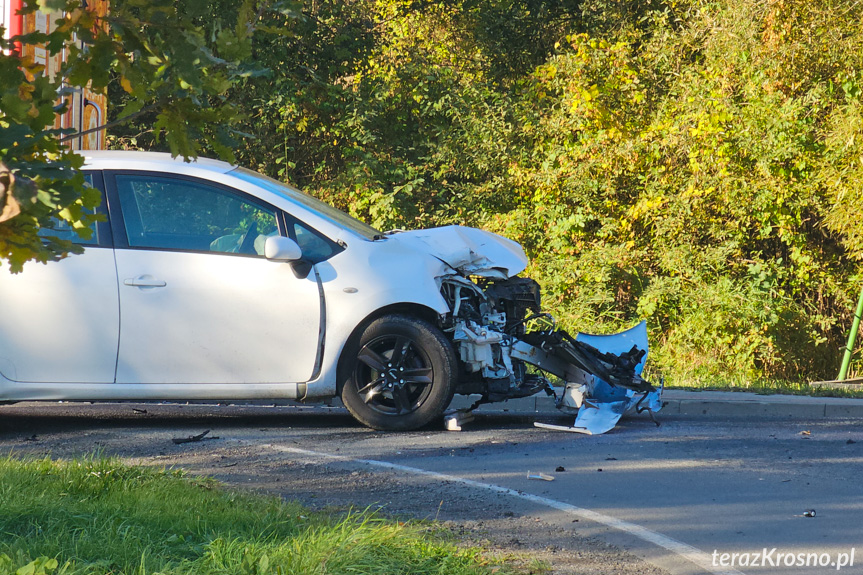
x,y
86,109
9,19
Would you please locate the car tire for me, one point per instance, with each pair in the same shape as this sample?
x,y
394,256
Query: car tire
x,y
400,374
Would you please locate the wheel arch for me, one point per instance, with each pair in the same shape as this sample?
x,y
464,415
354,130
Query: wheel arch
x,y
405,308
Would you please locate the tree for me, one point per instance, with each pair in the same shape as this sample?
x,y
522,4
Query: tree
x,y
171,61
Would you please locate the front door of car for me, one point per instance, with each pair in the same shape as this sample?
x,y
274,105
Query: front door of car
x,y
199,302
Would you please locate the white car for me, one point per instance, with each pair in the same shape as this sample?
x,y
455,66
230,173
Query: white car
x,y
211,282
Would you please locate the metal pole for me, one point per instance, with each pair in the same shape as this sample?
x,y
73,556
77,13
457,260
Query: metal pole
x,y
852,336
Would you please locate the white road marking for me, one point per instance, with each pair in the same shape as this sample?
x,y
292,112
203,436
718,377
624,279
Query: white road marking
x,y
684,550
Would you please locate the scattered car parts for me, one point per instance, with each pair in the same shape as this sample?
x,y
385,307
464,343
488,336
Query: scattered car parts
x,y
499,331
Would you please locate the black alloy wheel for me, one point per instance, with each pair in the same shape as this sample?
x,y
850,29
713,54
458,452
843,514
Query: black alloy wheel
x,y
402,374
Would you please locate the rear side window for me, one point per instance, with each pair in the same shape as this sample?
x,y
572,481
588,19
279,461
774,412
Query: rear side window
x,y
178,214
100,234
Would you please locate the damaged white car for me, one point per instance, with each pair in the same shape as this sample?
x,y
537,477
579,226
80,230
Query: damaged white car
x,y
205,281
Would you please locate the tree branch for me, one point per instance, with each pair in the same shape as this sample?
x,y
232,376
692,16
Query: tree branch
x,y
141,112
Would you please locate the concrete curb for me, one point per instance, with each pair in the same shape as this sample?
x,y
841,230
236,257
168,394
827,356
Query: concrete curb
x,y
703,403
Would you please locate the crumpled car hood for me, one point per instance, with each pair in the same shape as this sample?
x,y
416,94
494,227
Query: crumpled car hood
x,y
471,251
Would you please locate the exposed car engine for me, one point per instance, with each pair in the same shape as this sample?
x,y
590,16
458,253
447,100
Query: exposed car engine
x,y
498,330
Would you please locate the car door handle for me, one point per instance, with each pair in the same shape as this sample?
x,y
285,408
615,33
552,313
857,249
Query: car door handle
x,y
144,281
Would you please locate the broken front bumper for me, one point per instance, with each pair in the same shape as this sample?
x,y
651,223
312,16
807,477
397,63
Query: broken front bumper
x,y
602,375
498,330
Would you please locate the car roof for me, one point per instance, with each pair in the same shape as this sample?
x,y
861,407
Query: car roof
x,y
150,161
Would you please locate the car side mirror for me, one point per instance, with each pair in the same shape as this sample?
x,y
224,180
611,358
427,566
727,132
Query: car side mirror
x,y
282,249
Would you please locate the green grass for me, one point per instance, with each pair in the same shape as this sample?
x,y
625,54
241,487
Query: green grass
x,y
98,516
761,386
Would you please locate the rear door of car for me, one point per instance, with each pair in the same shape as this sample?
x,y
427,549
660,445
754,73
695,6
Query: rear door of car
x,y
59,322
199,302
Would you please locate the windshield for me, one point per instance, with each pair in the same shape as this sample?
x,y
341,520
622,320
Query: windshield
x,y
326,211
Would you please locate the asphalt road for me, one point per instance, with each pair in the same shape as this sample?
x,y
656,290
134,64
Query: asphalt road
x,y
641,499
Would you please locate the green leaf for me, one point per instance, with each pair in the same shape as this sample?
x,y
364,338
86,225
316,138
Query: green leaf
x,y
131,107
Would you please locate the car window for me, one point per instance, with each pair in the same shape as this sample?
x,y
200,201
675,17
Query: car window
x,y
324,210
179,214
315,247
61,229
